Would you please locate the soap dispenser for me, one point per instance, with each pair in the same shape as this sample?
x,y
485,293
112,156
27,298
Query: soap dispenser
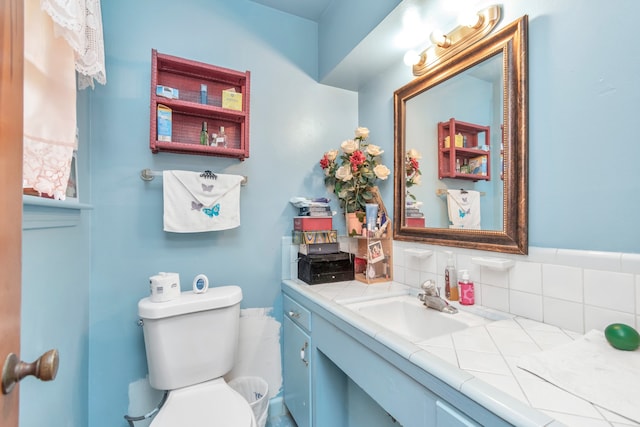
x,y
450,278
467,294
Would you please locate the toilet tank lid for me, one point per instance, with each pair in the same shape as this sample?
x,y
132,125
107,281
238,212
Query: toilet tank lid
x,y
190,302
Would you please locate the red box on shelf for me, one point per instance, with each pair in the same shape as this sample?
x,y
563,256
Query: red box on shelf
x,y
415,222
309,223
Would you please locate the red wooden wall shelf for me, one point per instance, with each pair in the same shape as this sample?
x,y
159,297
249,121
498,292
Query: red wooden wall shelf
x,y
188,112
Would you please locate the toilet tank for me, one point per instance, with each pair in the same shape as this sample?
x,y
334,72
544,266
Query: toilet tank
x,y
193,338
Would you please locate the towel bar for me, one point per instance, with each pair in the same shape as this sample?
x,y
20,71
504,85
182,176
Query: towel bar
x,y
148,175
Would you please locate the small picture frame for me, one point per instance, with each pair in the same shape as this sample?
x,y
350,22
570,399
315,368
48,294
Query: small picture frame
x,y
375,252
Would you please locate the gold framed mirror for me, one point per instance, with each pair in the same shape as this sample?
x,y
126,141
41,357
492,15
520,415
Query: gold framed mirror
x,y
482,91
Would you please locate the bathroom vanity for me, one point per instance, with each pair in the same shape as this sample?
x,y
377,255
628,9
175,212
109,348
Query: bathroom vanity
x,y
342,366
326,346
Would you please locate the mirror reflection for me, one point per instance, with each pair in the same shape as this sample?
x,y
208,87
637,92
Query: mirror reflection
x,y
468,109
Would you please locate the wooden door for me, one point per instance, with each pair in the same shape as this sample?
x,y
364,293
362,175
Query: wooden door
x,y
11,88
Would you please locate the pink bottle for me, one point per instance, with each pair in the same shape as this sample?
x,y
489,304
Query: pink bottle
x,y
467,296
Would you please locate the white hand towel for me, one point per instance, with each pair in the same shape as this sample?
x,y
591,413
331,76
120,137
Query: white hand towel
x,y
195,204
464,209
593,370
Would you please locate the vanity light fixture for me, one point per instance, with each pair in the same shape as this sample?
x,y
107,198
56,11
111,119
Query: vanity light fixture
x,y
472,28
440,39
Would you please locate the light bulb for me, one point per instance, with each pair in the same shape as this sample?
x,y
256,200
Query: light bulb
x,y
439,38
470,19
411,58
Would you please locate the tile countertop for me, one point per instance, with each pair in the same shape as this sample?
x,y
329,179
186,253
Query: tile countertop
x,y
488,353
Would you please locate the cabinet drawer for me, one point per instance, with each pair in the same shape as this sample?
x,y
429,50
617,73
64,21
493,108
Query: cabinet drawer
x,y
294,311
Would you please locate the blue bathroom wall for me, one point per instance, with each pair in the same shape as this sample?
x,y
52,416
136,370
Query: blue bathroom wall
x,y
583,101
343,25
55,300
55,314
294,120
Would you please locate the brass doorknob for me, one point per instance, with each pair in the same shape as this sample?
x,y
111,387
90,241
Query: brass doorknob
x,y
45,369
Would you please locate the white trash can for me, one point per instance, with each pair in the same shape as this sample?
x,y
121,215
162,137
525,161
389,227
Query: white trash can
x,y
255,390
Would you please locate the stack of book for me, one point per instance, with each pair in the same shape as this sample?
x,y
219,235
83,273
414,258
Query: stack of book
x,y
313,227
315,211
315,235
413,215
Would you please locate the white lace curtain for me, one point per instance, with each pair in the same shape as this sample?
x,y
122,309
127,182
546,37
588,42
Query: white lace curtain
x,y
61,37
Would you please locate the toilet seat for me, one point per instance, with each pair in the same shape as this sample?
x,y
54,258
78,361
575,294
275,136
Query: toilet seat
x,y
209,404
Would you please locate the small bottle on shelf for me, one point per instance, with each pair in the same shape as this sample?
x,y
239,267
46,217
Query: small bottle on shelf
x,y
458,165
465,166
204,134
203,94
214,136
221,139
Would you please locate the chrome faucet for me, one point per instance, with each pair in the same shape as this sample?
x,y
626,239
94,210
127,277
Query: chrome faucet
x,y
431,298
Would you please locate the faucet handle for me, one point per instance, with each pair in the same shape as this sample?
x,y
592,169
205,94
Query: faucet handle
x,y
430,289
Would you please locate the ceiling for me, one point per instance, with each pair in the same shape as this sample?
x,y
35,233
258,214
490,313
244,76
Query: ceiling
x,y
309,9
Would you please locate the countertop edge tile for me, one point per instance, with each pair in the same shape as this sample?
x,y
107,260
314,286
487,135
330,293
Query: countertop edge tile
x,y
508,407
446,372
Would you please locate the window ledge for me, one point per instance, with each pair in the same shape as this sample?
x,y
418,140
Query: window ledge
x,y
39,212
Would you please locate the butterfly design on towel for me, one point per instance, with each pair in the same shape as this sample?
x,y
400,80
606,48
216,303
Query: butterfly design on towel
x,y
196,206
211,212
462,212
206,187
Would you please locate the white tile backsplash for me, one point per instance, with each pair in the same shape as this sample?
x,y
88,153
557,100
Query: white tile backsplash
x,y
564,314
526,277
494,277
526,304
495,297
638,294
590,259
573,289
630,263
560,281
608,289
599,318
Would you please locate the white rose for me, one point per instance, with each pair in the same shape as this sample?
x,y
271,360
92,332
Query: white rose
x,y
362,133
349,146
382,172
344,173
331,155
414,154
416,179
374,150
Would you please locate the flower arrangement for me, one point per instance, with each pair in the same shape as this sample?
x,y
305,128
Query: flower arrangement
x,y
353,173
412,170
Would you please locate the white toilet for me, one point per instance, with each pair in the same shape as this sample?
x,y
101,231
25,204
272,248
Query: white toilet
x,y
191,343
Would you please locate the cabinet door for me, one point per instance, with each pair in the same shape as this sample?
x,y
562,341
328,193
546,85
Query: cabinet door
x,y
449,417
297,373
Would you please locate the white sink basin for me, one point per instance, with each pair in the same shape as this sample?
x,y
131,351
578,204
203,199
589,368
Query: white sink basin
x,y
407,316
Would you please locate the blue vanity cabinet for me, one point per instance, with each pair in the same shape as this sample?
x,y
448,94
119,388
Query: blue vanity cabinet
x,y
326,371
297,361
